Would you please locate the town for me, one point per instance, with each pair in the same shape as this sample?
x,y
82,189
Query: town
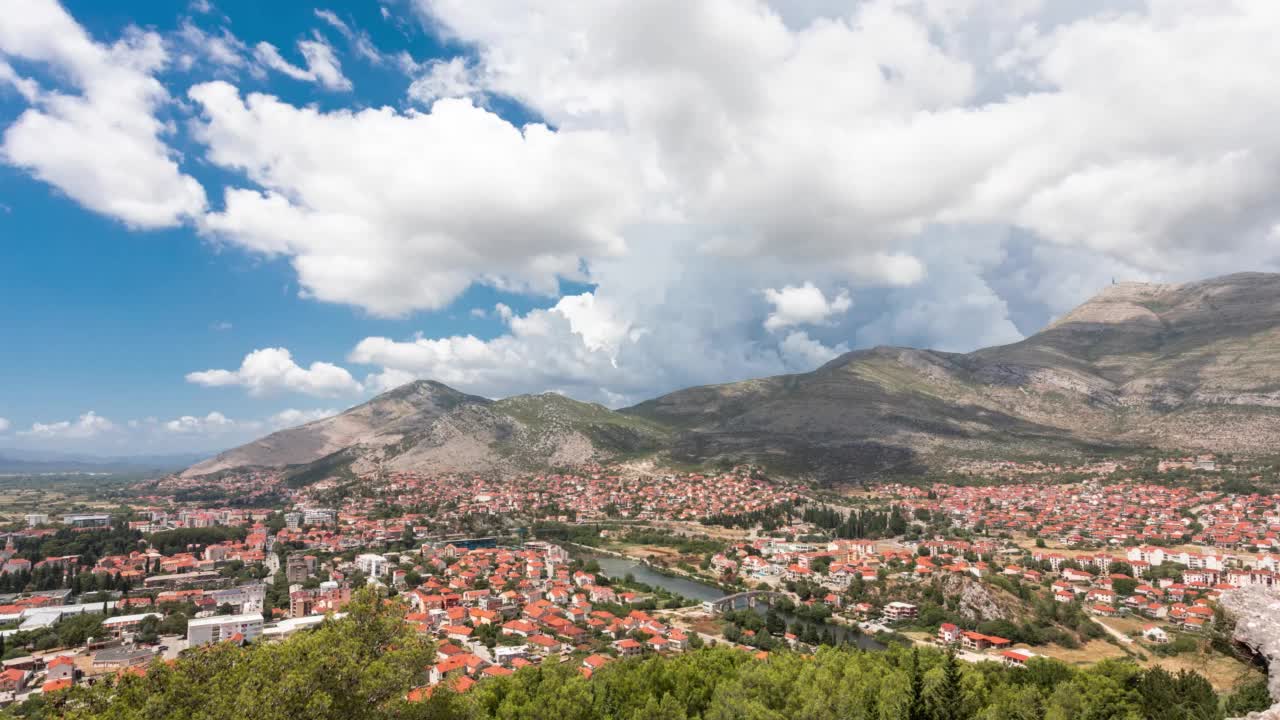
x,y
593,566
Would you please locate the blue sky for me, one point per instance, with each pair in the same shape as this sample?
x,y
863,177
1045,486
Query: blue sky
x,y
222,218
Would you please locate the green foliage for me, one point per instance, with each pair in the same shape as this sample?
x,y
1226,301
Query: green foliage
x,y
175,541
1250,697
361,666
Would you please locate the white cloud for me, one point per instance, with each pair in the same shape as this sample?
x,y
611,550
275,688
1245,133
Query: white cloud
x,y
835,132
271,370
213,423
26,87
444,79
102,146
967,169
292,417
4,425
222,50
515,208
322,65
803,305
88,425
801,353
358,39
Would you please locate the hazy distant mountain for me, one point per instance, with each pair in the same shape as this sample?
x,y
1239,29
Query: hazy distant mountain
x,y
1191,366
14,460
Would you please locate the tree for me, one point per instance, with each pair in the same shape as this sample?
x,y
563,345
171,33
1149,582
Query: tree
x,y
148,630
359,667
948,694
1251,696
917,709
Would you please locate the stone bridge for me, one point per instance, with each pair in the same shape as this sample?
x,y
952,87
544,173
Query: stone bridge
x,y
741,600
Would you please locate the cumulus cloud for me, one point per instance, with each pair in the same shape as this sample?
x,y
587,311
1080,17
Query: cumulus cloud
x,y
293,417
728,174
837,131
801,353
444,79
803,305
271,370
99,143
517,208
213,423
88,425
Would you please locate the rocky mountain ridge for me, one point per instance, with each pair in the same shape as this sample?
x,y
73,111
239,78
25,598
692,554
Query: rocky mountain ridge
x,y
1179,366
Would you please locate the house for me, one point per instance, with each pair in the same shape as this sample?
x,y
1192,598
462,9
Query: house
x,y
628,647
978,642
13,680
544,644
900,611
948,634
1016,658
1154,634
62,667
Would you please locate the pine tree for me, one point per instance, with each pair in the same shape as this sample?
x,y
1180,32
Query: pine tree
x,y
916,710
948,696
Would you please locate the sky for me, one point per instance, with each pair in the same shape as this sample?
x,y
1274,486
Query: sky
x,y
226,217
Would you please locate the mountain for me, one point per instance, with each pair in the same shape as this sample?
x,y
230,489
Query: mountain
x,y
1185,367
15,461
428,426
1188,366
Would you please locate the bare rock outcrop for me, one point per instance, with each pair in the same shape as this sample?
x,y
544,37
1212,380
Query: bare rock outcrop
x,y
1257,614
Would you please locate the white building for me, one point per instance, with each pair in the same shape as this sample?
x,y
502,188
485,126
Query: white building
x,y
372,564
319,516
121,624
87,521
35,519
244,599
203,631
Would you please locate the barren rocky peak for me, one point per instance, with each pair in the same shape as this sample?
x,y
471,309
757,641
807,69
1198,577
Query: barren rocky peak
x,y
1242,297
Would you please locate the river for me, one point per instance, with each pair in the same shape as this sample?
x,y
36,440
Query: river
x,y
619,568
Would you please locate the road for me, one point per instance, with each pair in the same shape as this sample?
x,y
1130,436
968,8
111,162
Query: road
x,y
1114,632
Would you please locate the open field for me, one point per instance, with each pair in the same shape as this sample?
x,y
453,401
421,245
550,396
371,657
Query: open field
x,y
1221,671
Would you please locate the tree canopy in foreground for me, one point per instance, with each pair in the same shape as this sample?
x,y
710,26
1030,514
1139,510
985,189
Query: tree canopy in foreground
x,y
365,665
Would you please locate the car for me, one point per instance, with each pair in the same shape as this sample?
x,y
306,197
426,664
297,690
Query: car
x,y
162,648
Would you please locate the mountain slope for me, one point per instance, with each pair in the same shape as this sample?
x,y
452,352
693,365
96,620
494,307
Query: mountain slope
x,y
428,426
1187,367
1181,366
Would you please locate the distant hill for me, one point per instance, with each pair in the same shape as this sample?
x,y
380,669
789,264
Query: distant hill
x,y
13,461
425,425
1186,367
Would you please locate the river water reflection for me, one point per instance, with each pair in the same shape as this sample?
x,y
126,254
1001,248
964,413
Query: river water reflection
x,y
619,568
